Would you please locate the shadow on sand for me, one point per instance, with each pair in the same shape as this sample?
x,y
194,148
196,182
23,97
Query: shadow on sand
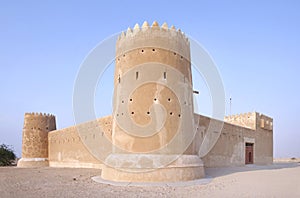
x,y
218,172
211,173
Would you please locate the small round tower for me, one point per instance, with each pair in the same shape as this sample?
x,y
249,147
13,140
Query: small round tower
x,y
35,139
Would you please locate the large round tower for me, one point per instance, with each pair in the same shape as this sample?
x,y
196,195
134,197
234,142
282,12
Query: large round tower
x,y
153,107
35,139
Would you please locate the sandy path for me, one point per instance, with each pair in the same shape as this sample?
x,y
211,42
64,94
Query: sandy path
x,y
278,180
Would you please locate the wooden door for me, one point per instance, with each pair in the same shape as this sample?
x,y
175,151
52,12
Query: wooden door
x,y
249,157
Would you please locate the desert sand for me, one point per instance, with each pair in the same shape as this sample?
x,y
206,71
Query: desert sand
x,y
282,179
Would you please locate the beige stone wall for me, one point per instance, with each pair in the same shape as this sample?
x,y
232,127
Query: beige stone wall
x,y
201,129
35,134
264,122
67,146
145,54
230,147
264,130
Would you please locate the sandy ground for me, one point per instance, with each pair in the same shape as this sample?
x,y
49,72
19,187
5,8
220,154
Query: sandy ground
x,y
277,180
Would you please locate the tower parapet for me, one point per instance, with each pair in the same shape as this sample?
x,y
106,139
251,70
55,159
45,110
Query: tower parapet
x,y
151,36
153,44
35,139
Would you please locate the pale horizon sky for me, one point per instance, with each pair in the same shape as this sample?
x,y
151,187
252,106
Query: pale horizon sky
x,y
255,45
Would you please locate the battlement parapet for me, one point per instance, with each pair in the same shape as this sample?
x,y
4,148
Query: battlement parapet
x,y
248,115
40,121
247,120
154,36
252,120
36,114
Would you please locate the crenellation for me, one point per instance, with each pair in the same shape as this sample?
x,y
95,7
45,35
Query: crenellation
x,y
36,115
252,120
181,45
145,25
128,32
164,26
155,25
243,119
136,29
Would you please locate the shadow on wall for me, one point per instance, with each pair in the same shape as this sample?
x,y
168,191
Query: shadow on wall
x,y
218,172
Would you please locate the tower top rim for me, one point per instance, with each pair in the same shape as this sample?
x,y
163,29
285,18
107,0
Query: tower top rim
x,y
154,36
36,114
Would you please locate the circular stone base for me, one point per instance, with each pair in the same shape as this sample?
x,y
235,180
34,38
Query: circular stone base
x,y
197,182
33,162
146,168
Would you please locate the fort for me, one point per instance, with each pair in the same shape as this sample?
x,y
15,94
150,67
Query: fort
x,y
153,132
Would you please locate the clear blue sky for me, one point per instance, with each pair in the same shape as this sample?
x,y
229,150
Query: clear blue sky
x,y
255,45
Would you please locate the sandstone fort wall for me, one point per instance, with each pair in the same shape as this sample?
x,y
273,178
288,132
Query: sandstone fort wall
x,y
66,148
230,147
